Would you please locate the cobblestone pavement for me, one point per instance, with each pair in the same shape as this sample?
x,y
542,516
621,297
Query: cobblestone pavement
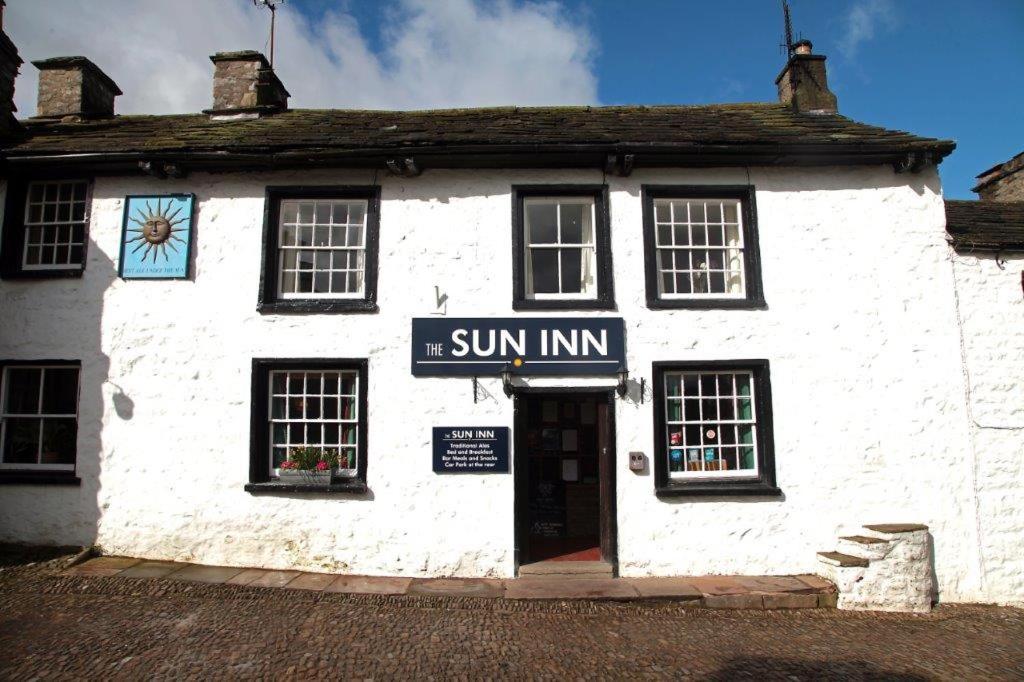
x,y
64,627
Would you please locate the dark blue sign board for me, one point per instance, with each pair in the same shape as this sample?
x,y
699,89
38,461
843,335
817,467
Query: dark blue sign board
x,y
471,449
453,346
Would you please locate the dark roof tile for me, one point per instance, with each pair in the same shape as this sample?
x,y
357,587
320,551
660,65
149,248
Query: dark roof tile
x,y
985,225
662,128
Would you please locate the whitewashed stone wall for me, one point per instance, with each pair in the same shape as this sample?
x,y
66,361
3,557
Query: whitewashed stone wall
x,y
991,308
871,422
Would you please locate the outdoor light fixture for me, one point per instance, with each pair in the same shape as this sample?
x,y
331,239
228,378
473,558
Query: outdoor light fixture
x,y
506,380
621,389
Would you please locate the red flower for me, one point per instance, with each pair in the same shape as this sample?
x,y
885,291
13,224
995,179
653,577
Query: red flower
x,y
322,466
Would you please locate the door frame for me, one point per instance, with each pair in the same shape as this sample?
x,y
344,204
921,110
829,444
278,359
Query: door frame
x,y
605,468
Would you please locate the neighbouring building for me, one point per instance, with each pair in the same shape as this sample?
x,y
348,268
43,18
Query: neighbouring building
x,y
680,339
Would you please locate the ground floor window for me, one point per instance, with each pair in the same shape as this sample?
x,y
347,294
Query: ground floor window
x,y
38,416
309,411
713,427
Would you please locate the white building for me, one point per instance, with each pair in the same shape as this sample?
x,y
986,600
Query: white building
x,y
788,262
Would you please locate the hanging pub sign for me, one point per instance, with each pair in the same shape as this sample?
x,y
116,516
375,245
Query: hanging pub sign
x,y
446,346
156,236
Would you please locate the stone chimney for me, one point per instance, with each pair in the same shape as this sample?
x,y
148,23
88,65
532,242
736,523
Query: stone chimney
x,y
9,63
1002,182
803,83
74,87
245,86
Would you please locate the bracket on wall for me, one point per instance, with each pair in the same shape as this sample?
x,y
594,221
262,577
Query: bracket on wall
x,y
475,388
913,162
406,168
619,164
159,169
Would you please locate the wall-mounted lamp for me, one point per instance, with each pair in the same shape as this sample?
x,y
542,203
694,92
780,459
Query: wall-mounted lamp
x,y
506,380
621,389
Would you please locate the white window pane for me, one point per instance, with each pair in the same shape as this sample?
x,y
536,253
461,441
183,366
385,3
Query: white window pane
x,y
356,213
544,267
572,219
21,390
21,440
542,223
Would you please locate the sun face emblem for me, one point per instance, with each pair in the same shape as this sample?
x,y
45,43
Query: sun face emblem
x,y
156,230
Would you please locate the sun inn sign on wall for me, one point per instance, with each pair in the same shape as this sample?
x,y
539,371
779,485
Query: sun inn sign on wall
x,y
525,345
156,237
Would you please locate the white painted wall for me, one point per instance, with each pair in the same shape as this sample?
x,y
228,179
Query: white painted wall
x,y
991,308
869,400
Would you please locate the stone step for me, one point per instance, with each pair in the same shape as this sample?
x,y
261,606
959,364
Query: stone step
x,y
842,560
894,531
863,546
567,569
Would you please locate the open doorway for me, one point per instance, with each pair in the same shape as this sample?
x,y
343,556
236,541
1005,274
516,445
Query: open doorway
x,y
565,485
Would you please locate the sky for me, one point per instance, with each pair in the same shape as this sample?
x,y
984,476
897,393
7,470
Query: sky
x,y
939,68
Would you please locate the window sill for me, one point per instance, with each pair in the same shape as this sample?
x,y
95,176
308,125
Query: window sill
x,y
718,488
327,305
75,273
706,304
354,486
562,304
38,478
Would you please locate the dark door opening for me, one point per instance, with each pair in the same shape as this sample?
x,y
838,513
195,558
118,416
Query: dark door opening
x,y
565,484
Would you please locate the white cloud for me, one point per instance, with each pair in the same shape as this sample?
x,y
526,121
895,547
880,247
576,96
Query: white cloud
x,y
437,53
861,23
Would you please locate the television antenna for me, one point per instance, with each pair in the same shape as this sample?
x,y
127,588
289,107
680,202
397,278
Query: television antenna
x,y
272,6
789,29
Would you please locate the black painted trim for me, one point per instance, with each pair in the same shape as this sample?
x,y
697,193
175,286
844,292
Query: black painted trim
x,y
40,476
12,239
761,485
335,488
268,301
259,455
602,238
751,251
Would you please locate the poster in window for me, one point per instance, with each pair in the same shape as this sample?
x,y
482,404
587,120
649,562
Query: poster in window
x,y
156,236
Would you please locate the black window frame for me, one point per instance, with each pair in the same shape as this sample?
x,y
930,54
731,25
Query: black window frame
x,y
268,299
12,233
763,484
260,480
44,476
602,248
754,291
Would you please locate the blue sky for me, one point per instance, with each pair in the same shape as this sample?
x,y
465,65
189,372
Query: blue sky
x,y
932,67
941,68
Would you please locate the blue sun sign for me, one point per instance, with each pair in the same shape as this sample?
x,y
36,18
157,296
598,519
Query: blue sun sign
x,y
156,236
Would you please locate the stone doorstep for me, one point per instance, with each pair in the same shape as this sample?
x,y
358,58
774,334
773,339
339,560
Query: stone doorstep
x,y
842,560
716,592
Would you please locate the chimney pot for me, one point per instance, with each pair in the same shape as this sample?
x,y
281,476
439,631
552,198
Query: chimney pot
x,y
803,47
803,83
74,86
244,84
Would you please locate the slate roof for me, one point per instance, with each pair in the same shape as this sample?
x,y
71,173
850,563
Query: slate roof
x,y
985,225
771,130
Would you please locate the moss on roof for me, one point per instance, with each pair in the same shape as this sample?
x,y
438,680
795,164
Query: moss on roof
x,y
663,127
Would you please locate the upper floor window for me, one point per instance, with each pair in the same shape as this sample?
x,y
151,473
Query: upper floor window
x,y
45,233
38,416
701,246
713,427
561,252
321,249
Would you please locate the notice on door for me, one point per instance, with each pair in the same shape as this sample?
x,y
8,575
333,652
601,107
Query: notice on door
x,y
471,449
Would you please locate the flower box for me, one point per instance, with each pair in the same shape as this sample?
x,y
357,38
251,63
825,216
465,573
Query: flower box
x,y
304,477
